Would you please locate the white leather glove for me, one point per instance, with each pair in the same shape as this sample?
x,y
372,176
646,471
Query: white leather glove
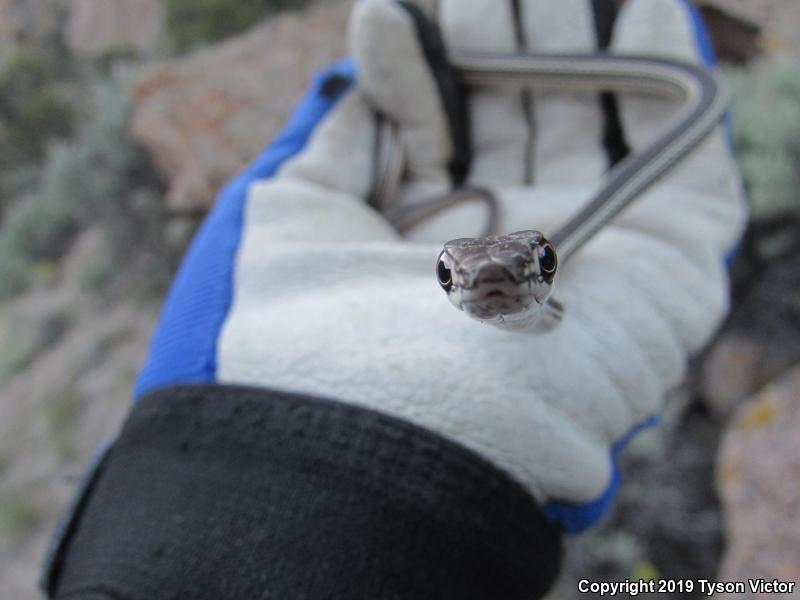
x,y
330,301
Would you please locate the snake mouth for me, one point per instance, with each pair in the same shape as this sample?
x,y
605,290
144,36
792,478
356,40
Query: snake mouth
x,y
498,305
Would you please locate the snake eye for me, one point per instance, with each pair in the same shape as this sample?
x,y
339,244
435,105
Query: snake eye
x,y
444,274
547,260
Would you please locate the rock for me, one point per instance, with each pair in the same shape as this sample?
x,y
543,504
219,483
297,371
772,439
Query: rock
x,y
90,27
90,246
777,18
203,117
735,38
766,313
69,397
758,478
95,27
731,372
27,21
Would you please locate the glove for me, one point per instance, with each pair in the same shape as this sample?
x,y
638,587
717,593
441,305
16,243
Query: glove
x,y
330,302
317,418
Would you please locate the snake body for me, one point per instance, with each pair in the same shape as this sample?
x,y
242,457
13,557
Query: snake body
x,y
507,280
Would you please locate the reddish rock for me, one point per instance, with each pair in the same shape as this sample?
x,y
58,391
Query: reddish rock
x,y
204,116
732,371
758,477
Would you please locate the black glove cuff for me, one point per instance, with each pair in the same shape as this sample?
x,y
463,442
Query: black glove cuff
x,y
223,492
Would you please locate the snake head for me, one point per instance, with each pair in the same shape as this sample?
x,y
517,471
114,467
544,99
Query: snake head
x,y
498,278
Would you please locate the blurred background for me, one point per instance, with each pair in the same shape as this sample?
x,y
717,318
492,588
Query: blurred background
x,y
119,120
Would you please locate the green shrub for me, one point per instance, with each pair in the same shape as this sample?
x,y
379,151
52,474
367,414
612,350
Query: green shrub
x,y
61,415
23,74
98,177
43,116
15,273
33,106
766,132
18,514
116,60
192,23
39,226
99,273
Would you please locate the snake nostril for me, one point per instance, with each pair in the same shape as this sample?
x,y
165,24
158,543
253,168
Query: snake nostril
x,y
494,274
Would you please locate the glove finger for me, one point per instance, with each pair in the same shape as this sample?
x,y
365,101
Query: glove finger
x,y
498,119
319,194
672,29
339,155
567,141
397,80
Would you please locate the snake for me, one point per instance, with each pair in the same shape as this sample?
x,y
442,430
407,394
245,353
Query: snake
x,y
508,280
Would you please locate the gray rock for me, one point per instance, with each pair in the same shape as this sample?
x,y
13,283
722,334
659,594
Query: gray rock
x,y
777,18
95,27
758,482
